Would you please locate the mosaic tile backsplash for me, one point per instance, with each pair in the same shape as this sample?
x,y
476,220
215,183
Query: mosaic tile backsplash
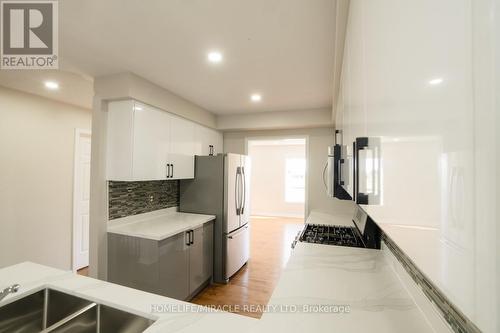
x,y
132,198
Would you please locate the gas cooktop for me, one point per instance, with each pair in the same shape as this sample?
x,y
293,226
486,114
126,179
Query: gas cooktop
x,y
332,235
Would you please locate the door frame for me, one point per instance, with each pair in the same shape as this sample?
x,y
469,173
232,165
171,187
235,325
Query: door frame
x,y
284,137
79,133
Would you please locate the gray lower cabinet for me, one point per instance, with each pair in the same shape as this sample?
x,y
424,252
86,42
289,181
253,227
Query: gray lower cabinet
x,y
174,266
200,264
177,267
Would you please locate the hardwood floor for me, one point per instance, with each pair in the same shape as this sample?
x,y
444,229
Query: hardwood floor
x,y
254,283
83,271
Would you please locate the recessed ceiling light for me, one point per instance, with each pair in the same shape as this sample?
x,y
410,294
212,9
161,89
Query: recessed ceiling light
x,y
256,97
436,81
138,108
214,57
52,85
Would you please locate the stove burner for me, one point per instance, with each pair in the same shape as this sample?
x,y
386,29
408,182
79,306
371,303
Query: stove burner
x,y
332,235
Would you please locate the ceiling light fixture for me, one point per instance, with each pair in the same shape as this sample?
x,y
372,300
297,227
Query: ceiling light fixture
x,y
256,97
436,81
214,57
51,85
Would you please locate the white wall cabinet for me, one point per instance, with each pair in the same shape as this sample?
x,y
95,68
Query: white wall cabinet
x,y
408,79
206,137
145,143
182,148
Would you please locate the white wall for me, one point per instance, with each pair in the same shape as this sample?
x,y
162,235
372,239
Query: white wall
x,y
318,141
36,177
268,180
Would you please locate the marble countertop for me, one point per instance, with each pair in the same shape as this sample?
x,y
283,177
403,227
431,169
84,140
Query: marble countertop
x,y
179,317
159,225
356,287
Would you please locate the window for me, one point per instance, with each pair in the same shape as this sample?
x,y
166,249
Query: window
x,y
295,175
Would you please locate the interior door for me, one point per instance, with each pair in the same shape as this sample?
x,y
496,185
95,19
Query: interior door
x,y
82,197
232,192
182,148
246,168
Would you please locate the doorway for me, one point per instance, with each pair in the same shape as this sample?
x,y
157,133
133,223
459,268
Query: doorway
x,y
81,200
278,178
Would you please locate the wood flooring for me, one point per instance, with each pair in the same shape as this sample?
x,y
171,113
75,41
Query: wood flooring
x,y
253,285
83,271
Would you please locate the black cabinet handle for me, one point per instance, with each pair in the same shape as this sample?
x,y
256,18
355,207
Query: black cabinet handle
x,y
172,174
168,170
188,235
192,237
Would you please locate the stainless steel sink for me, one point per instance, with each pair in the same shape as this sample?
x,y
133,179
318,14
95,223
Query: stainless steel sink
x,y
50,310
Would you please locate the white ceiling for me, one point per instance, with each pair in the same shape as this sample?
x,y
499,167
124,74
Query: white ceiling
x,y
74,88
282,49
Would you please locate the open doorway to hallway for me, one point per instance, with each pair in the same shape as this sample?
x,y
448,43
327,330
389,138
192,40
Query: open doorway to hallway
x,y
277,205
278,179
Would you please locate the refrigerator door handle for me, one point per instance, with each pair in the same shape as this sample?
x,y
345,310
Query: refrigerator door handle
x,y
244,185
236,191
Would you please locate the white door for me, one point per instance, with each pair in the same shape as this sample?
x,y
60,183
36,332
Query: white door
x,y
81,200
182,148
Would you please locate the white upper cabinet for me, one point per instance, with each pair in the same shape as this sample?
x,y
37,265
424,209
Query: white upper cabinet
x,y
206,137
182,148
145,143
410,77
138,142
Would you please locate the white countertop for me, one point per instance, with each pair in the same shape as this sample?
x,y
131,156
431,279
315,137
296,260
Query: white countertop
x,y
158,226
33,277
360,279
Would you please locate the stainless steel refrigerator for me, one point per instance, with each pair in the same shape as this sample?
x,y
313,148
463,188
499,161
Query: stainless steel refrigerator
x,y
221,187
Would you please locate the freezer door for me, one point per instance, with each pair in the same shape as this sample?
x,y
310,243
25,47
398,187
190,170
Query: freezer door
x,y
232,192
245,201
238,250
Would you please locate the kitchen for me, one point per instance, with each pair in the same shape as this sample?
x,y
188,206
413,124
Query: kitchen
x,y
128,202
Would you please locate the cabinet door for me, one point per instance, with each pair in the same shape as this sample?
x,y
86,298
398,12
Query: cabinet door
x,y
200,256
151,143
182,148
205,137
208,250
174,266
203,140
216,141
133,262
138,142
